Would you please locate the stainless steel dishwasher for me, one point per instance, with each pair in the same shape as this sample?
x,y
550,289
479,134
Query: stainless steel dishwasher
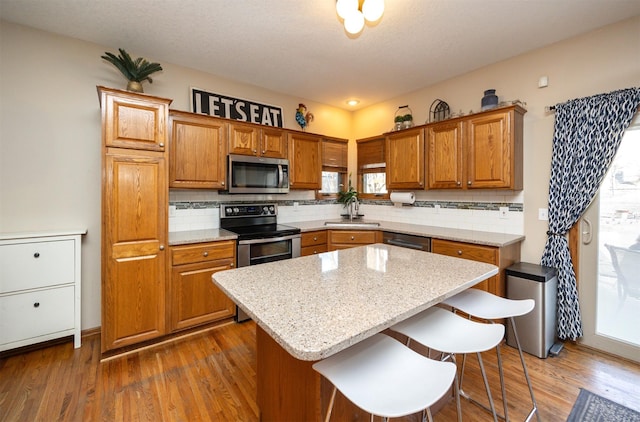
x,y
407,241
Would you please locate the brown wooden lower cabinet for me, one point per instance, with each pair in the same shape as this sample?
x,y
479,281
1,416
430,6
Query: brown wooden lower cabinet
x,y
194,298
343,239
313,242
502,257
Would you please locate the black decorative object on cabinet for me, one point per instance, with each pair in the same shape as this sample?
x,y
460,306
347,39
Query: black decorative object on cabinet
x,y
490,99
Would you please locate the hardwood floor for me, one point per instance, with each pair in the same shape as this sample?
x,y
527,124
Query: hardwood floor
x,y
211,376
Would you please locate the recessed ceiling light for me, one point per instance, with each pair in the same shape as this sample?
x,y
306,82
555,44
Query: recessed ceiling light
x,y
353,102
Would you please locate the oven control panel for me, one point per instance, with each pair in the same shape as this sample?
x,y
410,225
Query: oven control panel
x,y
243,210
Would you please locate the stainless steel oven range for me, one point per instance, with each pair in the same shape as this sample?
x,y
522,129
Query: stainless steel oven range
x,y
260,238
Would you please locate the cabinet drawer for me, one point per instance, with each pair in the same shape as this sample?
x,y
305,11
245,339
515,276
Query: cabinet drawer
x,y
32,265
354,237
314,238
313,250
202,252
473,252
28,315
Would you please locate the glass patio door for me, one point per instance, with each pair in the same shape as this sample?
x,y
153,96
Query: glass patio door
x,y
609,286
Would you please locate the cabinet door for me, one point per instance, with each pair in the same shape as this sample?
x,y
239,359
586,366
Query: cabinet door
x,y
198,151
305,169
490,154
405,160
133,121
195,299
244,139
444,156
273,143
134,238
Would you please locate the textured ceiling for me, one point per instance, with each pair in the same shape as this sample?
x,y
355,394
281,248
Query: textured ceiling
x,y
299,47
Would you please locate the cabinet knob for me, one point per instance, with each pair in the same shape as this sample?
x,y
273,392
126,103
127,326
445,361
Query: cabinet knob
x,y
263,151
222,183
205,254
255,151
36,305
36,255
232,265
459,252
468,182
162,247
458,183
315,252
315,238
161,145
353,238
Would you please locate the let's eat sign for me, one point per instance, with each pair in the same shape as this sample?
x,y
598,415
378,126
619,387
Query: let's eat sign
x,y
218,105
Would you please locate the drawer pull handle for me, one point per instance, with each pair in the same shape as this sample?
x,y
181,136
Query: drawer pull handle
x,y
205,254
36,255
459,252
315,238
36,305
232,265
353,238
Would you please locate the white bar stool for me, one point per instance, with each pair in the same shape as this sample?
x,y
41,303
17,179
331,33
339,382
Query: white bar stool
x,y
487,306
451,334
385,378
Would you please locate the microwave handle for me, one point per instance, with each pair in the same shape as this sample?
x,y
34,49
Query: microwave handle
x,y
280,176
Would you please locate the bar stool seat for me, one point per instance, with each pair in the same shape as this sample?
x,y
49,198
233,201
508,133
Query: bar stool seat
x,y
487,306
451,334
385,378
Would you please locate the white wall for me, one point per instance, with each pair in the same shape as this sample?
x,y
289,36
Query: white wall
x,y
50,146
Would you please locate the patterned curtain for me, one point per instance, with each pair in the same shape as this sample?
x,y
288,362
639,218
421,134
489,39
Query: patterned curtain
x,y
586,136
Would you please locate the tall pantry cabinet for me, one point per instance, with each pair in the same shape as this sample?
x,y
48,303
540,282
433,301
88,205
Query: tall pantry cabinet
x,y
134,224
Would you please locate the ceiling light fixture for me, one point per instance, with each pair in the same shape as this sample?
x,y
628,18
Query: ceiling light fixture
x,y
353,102
354,13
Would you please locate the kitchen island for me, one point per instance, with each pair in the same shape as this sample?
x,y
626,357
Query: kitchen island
x,y
309,308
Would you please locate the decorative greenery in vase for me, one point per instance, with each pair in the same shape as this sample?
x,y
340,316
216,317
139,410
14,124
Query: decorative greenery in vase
x,y
135,71
349,196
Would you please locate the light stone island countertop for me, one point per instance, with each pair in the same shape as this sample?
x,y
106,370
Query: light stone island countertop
x,y
317,305
458,235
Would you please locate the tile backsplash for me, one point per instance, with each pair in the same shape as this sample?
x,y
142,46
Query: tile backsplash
x,y
200,210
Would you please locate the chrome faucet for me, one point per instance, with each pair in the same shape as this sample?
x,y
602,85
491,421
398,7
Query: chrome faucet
x,y
354,207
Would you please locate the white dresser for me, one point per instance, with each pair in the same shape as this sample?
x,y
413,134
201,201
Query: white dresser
x,y
39,287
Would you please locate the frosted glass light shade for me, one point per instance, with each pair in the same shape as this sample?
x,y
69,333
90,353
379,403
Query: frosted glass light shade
x,y
373,9
354,22
345,7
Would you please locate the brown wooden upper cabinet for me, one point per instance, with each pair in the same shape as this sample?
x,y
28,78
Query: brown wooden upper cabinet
x,y
493,143
261,141
198,152
133,121
481,151
305,165
444,155
405,159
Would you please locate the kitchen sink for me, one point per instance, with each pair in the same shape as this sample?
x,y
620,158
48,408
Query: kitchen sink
x,y
352,224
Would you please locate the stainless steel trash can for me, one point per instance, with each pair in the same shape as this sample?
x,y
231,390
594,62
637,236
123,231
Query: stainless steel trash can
x,y
537,329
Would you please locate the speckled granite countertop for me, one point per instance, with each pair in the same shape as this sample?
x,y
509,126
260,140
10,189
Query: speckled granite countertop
x,y
200,236
317,305
459,235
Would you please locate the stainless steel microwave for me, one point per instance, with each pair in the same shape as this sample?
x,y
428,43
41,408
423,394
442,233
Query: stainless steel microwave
x,y
249,174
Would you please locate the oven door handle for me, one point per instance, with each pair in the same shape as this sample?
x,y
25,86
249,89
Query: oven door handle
x,y
267,240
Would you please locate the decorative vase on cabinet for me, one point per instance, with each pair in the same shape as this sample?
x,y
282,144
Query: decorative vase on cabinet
x,y
490,99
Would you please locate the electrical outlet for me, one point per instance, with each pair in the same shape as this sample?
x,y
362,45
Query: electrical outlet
x,y
437,208
543,214
296,206
172,210
504,212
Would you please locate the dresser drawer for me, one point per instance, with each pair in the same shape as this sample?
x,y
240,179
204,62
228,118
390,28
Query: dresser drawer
x,y
470,251
353,237
37,313
202,252
313,250
314,238
29,265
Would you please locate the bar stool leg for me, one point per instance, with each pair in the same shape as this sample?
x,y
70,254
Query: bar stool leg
x,y
330,408
486,386
502,389
526,375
